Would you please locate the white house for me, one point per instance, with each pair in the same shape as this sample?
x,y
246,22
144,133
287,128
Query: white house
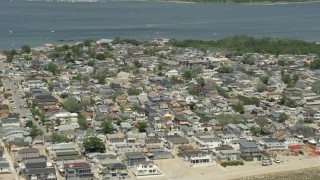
x,y
172,73
146,168
33,83
198,158
207,143
65,117
292,141
226,139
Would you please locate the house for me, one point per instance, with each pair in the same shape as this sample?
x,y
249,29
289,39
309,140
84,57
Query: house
x,y
63,151
133,158
227,138
207,143
236,143
292,141
249,149
153,142
10,121
174,141
228,156
159,154
172,73
112,169
139,115
33,83
66,117
9,133
150,132
146,168
37,168
195,157
121,100
124,148
78,171
272,144
112,141
187,131
26,153
41,174
238,129
4,166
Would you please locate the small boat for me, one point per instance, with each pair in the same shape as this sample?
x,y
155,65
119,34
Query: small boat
x,y
10,32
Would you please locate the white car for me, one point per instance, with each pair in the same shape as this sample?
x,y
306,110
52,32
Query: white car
x,y
277,161
15,107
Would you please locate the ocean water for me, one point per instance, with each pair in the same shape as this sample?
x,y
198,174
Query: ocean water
x,y
38,23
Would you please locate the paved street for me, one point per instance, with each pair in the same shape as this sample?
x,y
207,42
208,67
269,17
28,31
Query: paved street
x,y
19,103
8,157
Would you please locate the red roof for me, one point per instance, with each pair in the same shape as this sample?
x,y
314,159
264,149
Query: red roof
x,y
295,147
80,164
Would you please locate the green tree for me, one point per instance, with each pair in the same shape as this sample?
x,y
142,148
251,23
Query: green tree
x,y
142,126
10,55
239,108
315,64
295,78
78,77
222,92
225,69
100,56
187,75
107,127
248,72
264,79
71,105
249,100
225,119
58,122
25,49
282,62
88,42
58,138
316,87
260,87
135,107
261,121
29,124
133,91
283,117
137,63
93,144
53,68
35,132
175,80
255,130
91,63
82,121
286,78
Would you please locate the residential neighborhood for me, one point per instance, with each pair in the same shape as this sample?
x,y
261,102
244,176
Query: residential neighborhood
x,y
127,110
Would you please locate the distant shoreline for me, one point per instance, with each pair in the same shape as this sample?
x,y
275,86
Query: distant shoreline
x,y
212,2
267,3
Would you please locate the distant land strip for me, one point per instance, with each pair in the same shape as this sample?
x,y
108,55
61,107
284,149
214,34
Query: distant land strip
x,y
252,2
312,173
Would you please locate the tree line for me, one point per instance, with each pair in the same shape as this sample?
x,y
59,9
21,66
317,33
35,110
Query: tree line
x,y
246,44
